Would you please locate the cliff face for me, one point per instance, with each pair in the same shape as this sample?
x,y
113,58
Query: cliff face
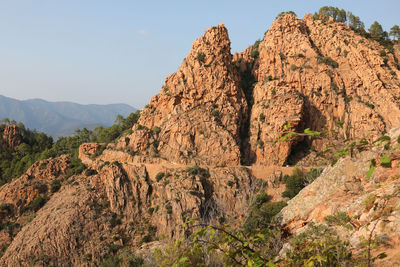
x,y
342,78
198,115
217,111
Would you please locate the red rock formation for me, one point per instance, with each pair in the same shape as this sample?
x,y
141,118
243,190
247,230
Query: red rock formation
x,y
11,136
341,76
199,113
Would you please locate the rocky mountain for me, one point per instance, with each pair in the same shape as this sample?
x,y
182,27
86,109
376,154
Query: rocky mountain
x,y
205,146
60,118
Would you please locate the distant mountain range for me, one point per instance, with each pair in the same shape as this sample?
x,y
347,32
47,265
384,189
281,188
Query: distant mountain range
x,y
60,118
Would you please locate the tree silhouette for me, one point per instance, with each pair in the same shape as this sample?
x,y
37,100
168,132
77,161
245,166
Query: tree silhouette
x,y
395,32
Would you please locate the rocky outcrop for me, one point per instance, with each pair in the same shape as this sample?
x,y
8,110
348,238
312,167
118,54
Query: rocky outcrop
x,y
87,151
34,182
22,197
92,214
342,77
11,136
371,205
197,118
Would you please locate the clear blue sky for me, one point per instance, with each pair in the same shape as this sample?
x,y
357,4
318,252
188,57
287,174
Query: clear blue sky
x,y
120,51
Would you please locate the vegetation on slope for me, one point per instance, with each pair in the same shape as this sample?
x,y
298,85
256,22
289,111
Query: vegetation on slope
x,y
38,146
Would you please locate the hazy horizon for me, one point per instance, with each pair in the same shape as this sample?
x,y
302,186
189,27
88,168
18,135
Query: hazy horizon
x,y
101,52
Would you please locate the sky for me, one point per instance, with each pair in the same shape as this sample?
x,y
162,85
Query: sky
x,y
121,51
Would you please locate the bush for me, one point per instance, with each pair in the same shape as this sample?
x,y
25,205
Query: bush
x,y
261,217
294,183
340,218
168,207
115,220
254,49
196,170
90,172
55,186
318,246
35,204
159,176
312,175
327,61
262,117
254,53
215,113
150,210
201,57
75,167
156,129
260,144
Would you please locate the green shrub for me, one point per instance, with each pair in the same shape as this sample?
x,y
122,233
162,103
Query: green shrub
x,y
327,61
254,53
35,204
156,129
261,199
125,258
75,167
201,57
372,106
42,166
340,218
312,174
261,215
369,201
254,49
150,210
196,170
318,246
262,117
55,186
334,86
294,183
215,113
90,172
168,207
260,144
7,207
115,220
285,13
159,176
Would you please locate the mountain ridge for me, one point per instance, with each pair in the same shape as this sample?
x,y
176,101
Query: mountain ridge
x,y
60,118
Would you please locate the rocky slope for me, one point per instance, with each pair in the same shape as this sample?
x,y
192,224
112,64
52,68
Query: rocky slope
x,y
183,158
371,206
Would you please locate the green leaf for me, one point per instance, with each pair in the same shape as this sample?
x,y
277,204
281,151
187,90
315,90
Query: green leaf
x,y
382,255
312,133
370,171
183,260
386,162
